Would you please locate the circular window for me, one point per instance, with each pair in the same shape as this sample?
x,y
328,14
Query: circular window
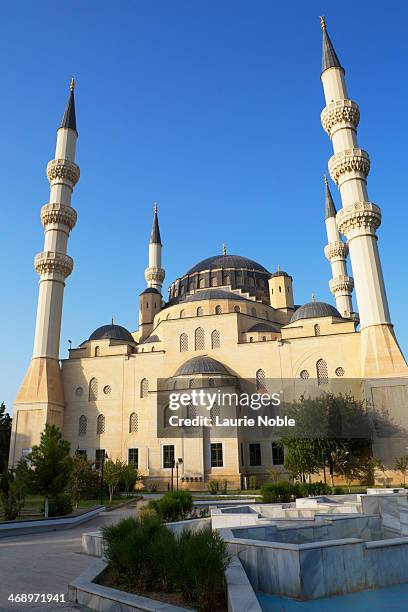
x,y
304,374
339,371
107,390
79,391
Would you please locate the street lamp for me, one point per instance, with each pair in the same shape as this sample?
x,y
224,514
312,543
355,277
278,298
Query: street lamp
x,y
179,462
172,465
104,456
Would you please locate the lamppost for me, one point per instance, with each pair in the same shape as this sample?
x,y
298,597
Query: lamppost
x,y
172,465
104,456
179,462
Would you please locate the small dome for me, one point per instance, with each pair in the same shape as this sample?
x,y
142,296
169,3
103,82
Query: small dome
x,y
280,273
263,327
201,365
227,261
153,338
150,290
112,332
314,310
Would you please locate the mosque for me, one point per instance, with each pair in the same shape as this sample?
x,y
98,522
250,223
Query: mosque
x,y
225,320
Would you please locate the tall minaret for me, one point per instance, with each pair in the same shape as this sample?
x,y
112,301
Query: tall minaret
x,y
341,285
154,273
40,399
358,220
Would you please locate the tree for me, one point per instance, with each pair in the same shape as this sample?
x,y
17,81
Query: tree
x,y
5,433
130,476
23,479
113,474
329,429
82,478
52,465
401,465
8,496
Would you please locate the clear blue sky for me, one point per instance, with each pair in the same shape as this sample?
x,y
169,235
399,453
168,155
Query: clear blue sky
x,y
210,108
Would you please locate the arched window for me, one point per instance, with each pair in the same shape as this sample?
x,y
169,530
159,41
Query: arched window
x,y
322,372
304,374
97,352
317,330
93,390
200,312
191,411
251,339
144,387
251,281
82,425
183,342
182,314
260,379
133,422
280,289
253,312
211,382
100,424
215,339
201,283
218,310
263,338
199,339
191,383
237,309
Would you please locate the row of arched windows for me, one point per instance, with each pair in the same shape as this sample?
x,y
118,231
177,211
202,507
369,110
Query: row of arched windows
x,y
100,424
93,389
199,340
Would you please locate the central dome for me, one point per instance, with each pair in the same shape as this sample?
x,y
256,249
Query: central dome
x,y
227,261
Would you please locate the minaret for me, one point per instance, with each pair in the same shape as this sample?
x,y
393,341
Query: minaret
x,y
358,220
154,273
40,399
341,285
150,301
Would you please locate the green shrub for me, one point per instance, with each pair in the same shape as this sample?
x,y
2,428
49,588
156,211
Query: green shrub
x,y
224,487
203,559
279,492
213,486
252,481
338,491
153,486
145,556
60,505
173,506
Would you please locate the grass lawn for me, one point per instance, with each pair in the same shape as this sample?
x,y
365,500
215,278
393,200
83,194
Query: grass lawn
x,y
33,505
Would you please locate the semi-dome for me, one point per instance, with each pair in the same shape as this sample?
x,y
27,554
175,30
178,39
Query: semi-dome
x,y
314,310
263,327
201,365
227,261
112,332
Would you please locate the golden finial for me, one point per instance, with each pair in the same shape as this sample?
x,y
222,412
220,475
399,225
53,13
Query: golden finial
x,y
72,86
224,248
278,267
313,296
322,22
326,181
155,208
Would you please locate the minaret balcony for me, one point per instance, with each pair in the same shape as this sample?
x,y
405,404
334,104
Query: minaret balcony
x,y
359,218
340,114
335,251
58,214
341,284
63,170
154,275
53,263
350,163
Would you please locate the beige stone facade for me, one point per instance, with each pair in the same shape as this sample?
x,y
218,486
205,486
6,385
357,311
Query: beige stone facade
x,y
226,321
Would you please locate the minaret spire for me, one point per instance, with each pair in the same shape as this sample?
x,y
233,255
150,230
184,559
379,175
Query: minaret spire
x,y
41,396
358,220
341,285
329,56
154,273
69,117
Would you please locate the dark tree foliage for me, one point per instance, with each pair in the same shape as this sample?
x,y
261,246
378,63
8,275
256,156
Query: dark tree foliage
x,y
5,433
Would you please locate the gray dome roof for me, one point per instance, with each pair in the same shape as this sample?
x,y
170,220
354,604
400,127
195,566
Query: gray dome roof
x,y
263,327
112,332
227,261
201,365
280,273
153,338
150,290
313,310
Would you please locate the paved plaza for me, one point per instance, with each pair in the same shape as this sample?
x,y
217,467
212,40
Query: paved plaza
x,y
47,562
